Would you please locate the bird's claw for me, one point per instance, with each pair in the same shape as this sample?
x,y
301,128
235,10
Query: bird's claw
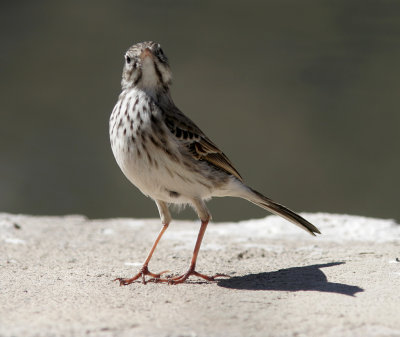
x,y
142,273
182,278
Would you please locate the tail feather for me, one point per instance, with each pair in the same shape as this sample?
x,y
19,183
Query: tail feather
x,y
270,205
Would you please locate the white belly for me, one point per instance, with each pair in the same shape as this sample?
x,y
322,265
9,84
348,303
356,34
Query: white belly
x,y
146,165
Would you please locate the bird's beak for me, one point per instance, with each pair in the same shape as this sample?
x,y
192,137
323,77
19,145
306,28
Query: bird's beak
x,y
146,53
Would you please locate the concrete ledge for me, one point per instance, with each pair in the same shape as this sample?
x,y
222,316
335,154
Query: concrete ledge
x,y
56,278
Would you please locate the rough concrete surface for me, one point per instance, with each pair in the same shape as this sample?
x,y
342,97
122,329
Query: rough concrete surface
x,y
56,278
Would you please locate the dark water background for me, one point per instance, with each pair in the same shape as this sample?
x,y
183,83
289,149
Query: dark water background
x,y
303,96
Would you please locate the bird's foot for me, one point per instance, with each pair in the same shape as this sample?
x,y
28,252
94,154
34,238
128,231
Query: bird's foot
x,y
142,273
182,278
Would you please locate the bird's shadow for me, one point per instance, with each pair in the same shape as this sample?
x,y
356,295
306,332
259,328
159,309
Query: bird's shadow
x,y
308,278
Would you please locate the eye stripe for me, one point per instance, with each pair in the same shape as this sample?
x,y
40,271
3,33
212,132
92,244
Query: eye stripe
x,y
158,72
138,78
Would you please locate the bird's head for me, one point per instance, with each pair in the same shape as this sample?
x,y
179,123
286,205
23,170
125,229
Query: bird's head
x,y
146,67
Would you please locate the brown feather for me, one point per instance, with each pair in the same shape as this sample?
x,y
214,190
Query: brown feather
x,y
201,147
221,161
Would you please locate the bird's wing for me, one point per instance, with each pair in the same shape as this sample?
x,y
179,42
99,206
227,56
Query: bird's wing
x,y
199,145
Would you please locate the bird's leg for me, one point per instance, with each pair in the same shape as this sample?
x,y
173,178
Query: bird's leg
x,y
166,218
191,271
144,270
203,214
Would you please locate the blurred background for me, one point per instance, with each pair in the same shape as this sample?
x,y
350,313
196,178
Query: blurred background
x,y
303,96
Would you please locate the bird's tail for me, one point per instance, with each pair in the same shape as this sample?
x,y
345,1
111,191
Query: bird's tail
x,y
270,205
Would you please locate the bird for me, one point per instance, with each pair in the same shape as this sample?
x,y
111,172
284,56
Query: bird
x,y
168,158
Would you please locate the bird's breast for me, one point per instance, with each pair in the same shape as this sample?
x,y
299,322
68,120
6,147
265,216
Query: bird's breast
x,y
149,154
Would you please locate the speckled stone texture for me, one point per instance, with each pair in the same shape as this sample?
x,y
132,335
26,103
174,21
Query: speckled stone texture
x,y
56,278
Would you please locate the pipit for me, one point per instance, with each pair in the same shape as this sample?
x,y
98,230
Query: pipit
x,y
168,158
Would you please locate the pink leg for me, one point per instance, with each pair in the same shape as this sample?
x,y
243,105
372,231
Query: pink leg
x,y
191,271
144,270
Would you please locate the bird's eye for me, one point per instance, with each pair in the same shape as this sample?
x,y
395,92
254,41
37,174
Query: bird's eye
x,y
128,59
